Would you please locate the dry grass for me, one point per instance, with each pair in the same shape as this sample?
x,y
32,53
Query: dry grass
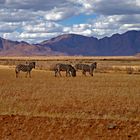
x,y
106,96
69,57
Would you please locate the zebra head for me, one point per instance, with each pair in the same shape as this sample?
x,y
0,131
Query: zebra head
x,y
94,65
32,64
73,72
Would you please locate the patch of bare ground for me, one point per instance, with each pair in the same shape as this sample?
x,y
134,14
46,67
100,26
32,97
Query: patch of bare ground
x,y
41,128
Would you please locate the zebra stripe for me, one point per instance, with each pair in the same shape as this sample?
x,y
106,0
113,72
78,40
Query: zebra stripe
x,y
25,68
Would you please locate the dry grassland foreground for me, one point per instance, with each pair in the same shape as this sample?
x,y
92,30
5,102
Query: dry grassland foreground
x,y
103,107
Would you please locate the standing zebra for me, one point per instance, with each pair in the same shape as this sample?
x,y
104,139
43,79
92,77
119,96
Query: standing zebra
x,y
86,68
70,70
25,68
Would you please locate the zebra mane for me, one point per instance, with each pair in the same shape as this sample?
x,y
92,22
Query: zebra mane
x,y
31,64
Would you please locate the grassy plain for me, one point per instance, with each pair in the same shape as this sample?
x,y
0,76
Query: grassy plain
x,y
48,107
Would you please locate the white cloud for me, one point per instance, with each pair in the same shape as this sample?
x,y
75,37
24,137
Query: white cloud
x,y
36,20
14,36
55,15
83,29
42,27
30,37
35,5
17,15
137,2
108,25
117,7
9,27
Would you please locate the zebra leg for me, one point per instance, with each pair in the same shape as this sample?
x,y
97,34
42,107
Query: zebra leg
x,y
26,74
16,74
70,75
91,74
84,72
56,73
67,73
29,74
59,74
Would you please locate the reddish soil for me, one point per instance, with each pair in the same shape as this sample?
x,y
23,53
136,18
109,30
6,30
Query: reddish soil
x,y
17,127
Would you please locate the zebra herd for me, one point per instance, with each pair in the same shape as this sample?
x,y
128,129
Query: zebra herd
x,y
69,69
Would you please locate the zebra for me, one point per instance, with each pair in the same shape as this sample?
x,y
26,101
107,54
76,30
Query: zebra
x,y
25,68
70,70
86,68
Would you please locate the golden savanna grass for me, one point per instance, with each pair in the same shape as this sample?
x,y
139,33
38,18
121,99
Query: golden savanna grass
x,y
84,104
114,96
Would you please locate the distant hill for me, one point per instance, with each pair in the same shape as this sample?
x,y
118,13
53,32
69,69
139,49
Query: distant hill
x,y
15,48
116,45
125,44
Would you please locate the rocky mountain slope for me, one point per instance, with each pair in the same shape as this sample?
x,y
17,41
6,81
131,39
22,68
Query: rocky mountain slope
x,y
124,44
15,48
116,45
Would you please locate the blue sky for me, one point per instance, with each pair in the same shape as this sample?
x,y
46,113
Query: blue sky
x,y
37,20
78,19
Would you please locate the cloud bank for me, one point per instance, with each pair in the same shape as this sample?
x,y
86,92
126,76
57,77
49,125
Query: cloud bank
x,y
37,20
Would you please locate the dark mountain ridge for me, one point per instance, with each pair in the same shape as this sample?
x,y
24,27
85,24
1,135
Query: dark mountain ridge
x,y
118,44
125,44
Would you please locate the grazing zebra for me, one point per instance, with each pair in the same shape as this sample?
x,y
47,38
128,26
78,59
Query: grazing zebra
x,y
86,68
70,70
25,68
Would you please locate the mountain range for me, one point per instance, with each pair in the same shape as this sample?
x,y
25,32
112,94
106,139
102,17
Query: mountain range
x,y
125,44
